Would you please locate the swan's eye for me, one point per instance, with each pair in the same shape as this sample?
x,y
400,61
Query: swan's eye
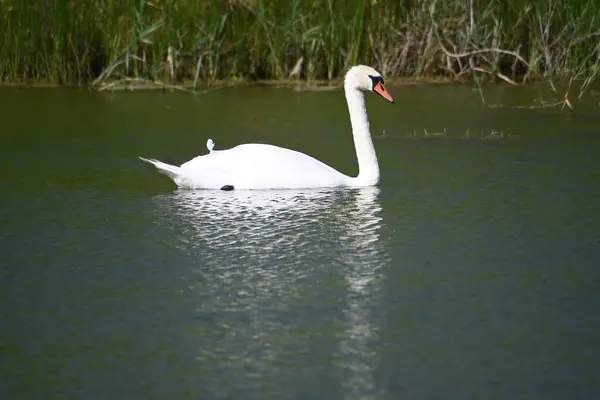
x,y
375,80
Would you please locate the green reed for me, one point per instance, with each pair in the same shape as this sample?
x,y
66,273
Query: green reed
x,y
77,42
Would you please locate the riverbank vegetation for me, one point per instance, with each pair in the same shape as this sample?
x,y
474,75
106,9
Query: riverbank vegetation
x,y
103,41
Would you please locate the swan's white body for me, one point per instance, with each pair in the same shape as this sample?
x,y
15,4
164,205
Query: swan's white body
x,y
264,166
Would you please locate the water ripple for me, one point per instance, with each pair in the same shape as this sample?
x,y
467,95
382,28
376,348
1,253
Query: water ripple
x,y
273,270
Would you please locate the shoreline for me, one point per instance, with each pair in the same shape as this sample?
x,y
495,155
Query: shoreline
x,y
137,84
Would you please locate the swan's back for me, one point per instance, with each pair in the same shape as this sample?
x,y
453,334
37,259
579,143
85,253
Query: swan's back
x,y
260,166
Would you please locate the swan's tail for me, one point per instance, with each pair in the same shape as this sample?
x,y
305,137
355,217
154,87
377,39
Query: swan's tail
x,y
173,172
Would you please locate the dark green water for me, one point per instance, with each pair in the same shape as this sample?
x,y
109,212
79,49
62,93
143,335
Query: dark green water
x,y
473,271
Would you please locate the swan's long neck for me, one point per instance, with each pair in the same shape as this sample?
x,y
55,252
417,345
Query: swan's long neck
x,y
368,167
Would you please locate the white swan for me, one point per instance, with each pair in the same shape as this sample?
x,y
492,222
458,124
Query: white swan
x,y
263,166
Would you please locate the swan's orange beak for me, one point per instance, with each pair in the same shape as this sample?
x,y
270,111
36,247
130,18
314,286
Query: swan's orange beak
x,y
380,90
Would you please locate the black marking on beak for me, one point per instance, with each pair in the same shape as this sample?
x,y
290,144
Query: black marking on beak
x,y
375,80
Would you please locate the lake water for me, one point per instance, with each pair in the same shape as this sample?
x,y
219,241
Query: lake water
x,y
473,271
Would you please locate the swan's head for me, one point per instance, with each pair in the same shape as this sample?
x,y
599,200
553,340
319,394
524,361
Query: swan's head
x,y
365,78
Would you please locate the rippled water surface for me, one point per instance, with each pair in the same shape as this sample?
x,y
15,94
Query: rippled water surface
x,y
471,272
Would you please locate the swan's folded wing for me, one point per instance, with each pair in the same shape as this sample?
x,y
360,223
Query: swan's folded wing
x,y
261,166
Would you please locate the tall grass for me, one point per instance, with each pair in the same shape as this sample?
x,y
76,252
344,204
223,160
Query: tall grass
x,y
81,41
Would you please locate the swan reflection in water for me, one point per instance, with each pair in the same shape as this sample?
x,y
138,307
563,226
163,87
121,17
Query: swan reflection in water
x,y
285,283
